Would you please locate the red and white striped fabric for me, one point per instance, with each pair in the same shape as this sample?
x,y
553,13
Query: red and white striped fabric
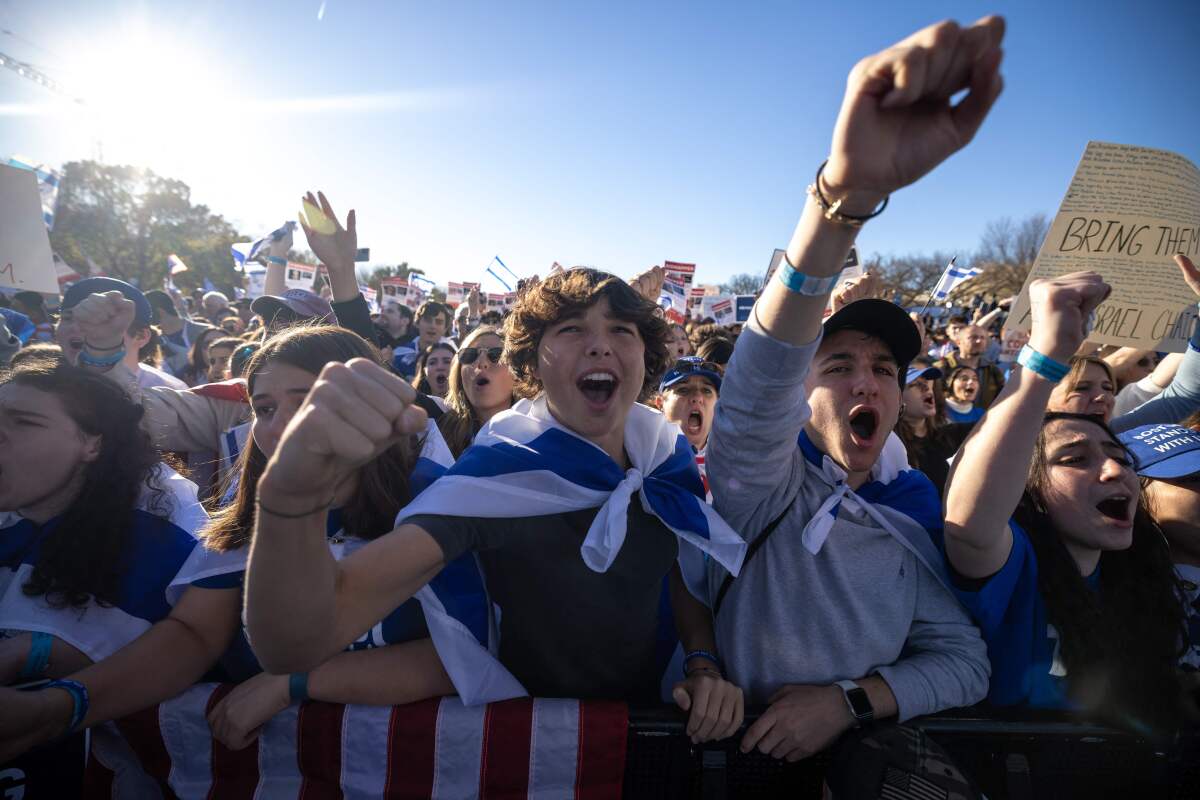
x,y
437,748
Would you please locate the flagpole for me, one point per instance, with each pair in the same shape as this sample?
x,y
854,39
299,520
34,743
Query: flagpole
x,y
929,296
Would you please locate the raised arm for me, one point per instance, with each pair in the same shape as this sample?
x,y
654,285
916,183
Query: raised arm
x,y
895,125
177,420
302,606
275,280
989,475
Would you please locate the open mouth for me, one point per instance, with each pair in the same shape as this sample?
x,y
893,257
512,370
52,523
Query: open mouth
x,y
440,381
928,400
598,387
482,381
1117,508
694,423
863,424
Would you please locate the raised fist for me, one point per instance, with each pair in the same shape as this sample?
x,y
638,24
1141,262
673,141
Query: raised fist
x,y
1061,309
896,122
353,413
649,284
103,319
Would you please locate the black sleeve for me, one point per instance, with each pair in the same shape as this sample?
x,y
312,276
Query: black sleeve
x,y
458,535
355,315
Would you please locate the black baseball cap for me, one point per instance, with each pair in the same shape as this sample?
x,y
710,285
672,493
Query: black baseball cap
x,y
885,321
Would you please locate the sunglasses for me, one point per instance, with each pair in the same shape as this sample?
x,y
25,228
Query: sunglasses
x,y
468,355
689,365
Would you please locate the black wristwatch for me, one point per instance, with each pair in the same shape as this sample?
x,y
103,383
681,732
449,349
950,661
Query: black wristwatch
x,y
860,705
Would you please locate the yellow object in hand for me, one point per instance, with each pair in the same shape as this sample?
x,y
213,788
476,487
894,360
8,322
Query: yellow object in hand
x,y
315,219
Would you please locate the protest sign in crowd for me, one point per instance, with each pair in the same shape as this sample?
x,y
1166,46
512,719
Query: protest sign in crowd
x,y
839,511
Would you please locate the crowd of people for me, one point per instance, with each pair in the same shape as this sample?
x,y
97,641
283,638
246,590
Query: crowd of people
x,y
848,520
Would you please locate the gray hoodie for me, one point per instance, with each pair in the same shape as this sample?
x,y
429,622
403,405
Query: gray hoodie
x,y
871,600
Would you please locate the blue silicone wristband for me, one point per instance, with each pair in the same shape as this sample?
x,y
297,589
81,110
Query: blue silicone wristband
x,y
39,656
1043,365
699,654
79,694
800,283
276,260
298,686
103,361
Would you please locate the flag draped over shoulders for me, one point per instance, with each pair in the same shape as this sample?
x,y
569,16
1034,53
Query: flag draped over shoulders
x,y
523,463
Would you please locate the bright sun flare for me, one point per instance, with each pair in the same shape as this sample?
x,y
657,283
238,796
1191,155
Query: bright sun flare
x,y
151,99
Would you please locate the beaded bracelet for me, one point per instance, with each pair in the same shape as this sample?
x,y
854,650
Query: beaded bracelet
x,y
1043,365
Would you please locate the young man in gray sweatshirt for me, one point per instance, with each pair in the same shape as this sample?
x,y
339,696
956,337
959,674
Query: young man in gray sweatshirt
x,y
844,614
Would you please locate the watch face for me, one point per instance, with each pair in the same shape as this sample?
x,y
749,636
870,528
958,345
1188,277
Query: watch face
x,y
860,704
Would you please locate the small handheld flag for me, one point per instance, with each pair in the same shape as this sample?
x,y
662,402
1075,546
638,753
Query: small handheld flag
x,y
951,278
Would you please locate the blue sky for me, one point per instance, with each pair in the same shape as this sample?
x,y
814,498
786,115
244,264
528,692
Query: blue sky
x,y
612,134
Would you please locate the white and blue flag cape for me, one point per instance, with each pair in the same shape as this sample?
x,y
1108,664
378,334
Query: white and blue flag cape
x,y
160,565
901,499
524,463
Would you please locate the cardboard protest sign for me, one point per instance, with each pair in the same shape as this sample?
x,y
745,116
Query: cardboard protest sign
x,y
25,259
1127,211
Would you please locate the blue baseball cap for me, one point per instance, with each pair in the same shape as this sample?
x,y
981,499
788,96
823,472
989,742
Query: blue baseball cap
x,y
688,366
921,372
1163,451
75,295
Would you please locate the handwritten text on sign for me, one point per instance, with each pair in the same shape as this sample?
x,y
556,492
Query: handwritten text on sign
x,y
25,259
1127,211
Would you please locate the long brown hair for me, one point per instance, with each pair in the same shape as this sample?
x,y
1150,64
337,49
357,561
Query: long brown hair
x,y
84,556
1121,643
460,423
383,484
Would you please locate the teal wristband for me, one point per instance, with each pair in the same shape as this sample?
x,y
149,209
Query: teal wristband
x,y
79,695
276,260
1048,368
808,285
39,656
103,361
298,687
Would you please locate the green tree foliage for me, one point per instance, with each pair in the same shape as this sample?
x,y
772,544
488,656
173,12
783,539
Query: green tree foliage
x,y
126,221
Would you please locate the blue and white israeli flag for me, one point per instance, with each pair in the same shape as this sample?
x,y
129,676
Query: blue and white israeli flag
x,y
524,463
951,278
